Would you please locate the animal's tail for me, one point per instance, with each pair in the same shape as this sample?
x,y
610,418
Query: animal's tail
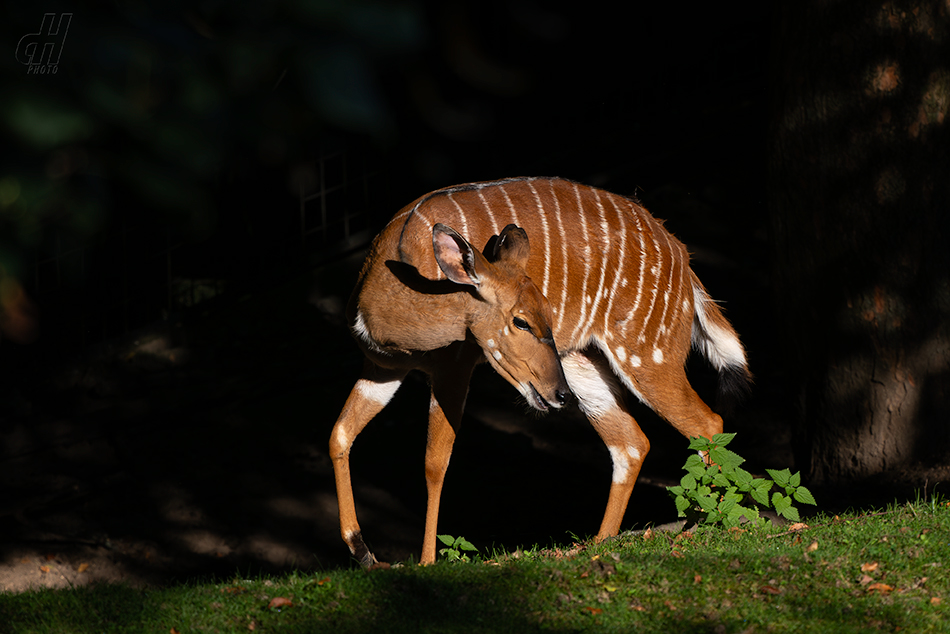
x,y
716,339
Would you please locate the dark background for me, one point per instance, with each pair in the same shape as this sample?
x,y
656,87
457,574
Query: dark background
x,y
184,204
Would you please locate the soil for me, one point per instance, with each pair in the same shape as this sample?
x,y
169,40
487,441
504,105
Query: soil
x,y
198,449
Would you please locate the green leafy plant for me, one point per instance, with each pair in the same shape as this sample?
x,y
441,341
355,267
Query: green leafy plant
x,y
716,490
455,547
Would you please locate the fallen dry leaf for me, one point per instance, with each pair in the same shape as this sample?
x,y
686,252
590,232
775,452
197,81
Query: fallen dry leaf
x,y
280,602
50,557
697,578
593,610
812,547
865,580
870,566
883,588
252,626
797,526
44,569
769,590
670,605
935,600
323,581
173,631
648,533
83,567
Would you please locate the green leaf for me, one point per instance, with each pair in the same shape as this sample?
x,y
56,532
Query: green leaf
x,y
726,459
804,496
743,479
760,491
790,513
723,439
448,540
681,505
781,477
467,545
749,512
699,444
707,502
726,506
780,502
795,480
694,460
721,480
688,482
676,491
697,468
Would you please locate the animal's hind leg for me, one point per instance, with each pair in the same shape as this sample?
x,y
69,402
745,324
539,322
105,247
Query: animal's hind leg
x,y
371,393
598,393
673,398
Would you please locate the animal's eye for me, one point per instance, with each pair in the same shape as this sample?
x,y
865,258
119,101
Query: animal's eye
x,y
521,324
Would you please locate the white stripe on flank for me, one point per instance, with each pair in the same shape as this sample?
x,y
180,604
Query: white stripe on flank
x,y
583,312
655,269
488,212
674,260
602,258
439,275
564,279
547,239
621,264
643,264
464,228
511,206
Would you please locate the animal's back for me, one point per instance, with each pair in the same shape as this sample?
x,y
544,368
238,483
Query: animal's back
x,y
606,265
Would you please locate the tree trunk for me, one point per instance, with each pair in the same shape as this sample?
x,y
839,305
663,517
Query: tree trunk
x,y
860,218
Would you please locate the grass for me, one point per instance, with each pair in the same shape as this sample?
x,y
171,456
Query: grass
x,y
881,571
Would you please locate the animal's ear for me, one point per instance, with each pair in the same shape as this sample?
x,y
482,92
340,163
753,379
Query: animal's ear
x,y
512,246
458,260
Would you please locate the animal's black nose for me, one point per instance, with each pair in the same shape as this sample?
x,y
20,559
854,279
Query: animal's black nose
x,y
561,396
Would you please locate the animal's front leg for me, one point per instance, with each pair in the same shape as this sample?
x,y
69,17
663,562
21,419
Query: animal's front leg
x,y
449,389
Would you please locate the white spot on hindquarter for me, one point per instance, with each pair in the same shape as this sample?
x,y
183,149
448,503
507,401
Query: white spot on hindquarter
x,y
657,355
491,343
633,452
507,331
635,361
497,355
621,354
621,464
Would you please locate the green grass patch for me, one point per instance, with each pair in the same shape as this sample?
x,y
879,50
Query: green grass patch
x,y
881,571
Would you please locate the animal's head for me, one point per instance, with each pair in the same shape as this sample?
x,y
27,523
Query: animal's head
x,y
513,321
